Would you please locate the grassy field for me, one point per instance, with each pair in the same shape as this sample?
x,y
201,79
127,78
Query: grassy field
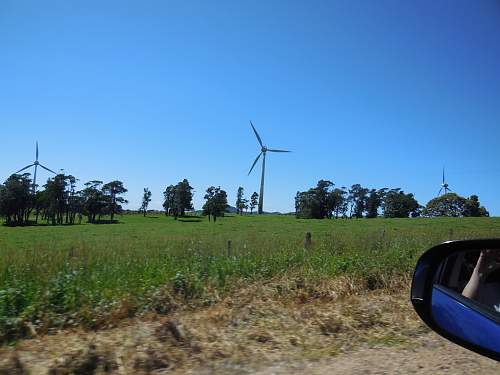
x,y
90,275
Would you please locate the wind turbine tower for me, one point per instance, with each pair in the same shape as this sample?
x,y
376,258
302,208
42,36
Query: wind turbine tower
x,y
263,152
35,164
444,186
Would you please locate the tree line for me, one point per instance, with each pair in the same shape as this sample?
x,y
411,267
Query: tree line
x,y
59,202
327,201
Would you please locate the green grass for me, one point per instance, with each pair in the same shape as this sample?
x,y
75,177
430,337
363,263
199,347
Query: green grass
x,y
71,275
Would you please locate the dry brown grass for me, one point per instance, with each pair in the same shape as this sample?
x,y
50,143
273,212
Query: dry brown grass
x,y
11,365
284,319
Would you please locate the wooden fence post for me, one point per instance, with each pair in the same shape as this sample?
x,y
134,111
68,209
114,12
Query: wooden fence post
x,y
308,241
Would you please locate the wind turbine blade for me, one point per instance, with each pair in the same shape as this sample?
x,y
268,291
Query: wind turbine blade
x,y
257,135
36,150
24,168
443,175
50,170
439,192
255,162
277,150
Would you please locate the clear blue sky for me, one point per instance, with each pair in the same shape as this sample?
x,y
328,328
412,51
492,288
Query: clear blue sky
x,y
381,93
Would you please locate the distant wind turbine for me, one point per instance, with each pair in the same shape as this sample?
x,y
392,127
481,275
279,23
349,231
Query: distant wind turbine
x,y
444,186
35,164
263,152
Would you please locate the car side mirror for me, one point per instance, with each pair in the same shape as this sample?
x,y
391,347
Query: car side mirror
x,y
456,292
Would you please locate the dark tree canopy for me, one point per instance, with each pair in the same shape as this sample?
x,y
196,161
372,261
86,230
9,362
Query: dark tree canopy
x,y
397,203
146,198
113,190
374,202
169,199
358,197
473,208
94,200
184,197
16,199
453,205
307,205
324,201
215,202
241,202
320,202
254,200
56,197
59,202
322,193
338,202
177,199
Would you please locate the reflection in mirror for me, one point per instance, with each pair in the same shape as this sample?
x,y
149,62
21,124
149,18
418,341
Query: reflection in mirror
x,y
475,275
484,284
466,297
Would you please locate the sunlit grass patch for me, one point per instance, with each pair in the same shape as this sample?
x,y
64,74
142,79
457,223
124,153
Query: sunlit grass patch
x,y
93,275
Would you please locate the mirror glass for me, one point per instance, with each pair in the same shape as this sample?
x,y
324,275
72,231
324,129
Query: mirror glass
x,y
466,297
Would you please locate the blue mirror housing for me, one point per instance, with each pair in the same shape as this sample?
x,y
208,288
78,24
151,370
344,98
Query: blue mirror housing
x,y
464,321
441,296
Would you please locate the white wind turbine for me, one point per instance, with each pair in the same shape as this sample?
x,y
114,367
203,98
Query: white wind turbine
x,y
35,164
263,151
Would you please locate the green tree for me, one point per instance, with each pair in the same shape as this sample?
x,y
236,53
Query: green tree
x,y
450,204
454,205
337,202
358,196
183,197
169,199
322,192
113,190
39,203
93,200
254,201
472,207
59,202
178,199
308,205
374,202
318,202
297,203
146,198
56,199
241,202
73,200
215,202
16,199
398,204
